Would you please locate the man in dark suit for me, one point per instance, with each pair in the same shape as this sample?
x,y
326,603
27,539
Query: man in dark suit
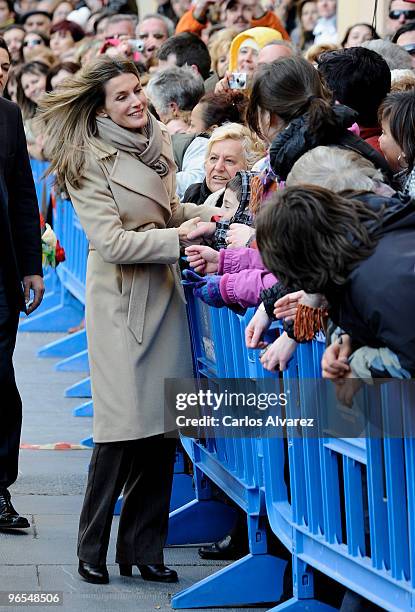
x,y
21,283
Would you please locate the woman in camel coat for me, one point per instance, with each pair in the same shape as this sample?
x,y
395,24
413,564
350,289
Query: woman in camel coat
x,y
118,169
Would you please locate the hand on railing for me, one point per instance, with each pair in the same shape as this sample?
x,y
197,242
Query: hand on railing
x,y
277,355
256,328
335,361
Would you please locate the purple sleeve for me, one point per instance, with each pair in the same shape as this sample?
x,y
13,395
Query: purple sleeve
x,y
234,260
244,287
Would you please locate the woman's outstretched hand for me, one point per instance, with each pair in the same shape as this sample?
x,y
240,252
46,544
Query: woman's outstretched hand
x,y
203,228
185,229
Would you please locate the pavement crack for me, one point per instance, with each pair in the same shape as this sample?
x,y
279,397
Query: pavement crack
x,y
38,576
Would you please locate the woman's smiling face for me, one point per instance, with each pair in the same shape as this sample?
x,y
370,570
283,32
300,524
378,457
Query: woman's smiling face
x,y
125,102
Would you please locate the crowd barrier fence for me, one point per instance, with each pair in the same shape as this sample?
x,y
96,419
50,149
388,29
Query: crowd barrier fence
x,y
344,507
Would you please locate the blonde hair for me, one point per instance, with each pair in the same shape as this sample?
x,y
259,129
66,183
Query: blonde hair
x,y
402,80
335,169
67,117
253,147
314,52
219,45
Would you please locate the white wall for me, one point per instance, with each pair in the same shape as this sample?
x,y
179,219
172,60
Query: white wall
x,y
358,11
146,6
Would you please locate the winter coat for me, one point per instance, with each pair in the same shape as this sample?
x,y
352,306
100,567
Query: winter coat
x,y
376,305
290,144
188,23
244,276
197,193
135,308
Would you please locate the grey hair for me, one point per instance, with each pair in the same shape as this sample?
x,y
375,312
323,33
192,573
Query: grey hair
x,y
282,43
335,169
119,18
171,28
253,147
395,56
176,84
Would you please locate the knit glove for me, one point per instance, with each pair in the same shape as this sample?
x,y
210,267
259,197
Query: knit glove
x,y
206,288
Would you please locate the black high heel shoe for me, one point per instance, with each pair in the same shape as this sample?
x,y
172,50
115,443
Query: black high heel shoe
x,y
156,573
96,574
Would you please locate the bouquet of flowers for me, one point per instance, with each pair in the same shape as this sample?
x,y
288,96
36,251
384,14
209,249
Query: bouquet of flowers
x,y
52,252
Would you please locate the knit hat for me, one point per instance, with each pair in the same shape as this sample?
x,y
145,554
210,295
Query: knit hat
x,y
262,36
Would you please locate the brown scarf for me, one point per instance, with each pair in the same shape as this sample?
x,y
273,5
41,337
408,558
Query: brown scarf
x,y
146,144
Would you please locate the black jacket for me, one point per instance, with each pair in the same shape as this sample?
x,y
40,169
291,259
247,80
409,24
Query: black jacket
x,y
290,144
377,304
20,242
197,193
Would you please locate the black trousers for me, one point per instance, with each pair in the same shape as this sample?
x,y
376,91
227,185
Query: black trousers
x,y
10,402
145,469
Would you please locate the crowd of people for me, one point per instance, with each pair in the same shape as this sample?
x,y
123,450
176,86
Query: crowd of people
x,y
271,150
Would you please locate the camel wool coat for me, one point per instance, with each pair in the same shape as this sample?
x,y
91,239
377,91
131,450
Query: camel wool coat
x,y
135,308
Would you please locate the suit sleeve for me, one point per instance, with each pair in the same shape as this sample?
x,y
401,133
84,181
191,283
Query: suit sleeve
x,y
23,206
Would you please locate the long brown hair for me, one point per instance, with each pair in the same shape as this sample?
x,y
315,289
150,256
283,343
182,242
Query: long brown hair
x,y
28,107
312,238
67,116
288,88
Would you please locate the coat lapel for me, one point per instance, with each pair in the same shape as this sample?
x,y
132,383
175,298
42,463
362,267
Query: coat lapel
x,y
131,173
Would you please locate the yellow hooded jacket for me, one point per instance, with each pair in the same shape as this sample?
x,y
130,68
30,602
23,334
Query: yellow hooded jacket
x,y
262,36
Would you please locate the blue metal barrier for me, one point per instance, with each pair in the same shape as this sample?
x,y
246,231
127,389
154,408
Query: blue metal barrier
x,y
344,507
43,185
232,465
70,309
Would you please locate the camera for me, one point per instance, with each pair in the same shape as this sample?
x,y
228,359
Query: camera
x,y
219,238
238,80
136,45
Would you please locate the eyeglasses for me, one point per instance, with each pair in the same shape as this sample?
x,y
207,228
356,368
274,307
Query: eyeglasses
x,y
32,43
396,14
410,48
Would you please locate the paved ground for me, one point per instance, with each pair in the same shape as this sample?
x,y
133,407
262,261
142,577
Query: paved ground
x,y
49,491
